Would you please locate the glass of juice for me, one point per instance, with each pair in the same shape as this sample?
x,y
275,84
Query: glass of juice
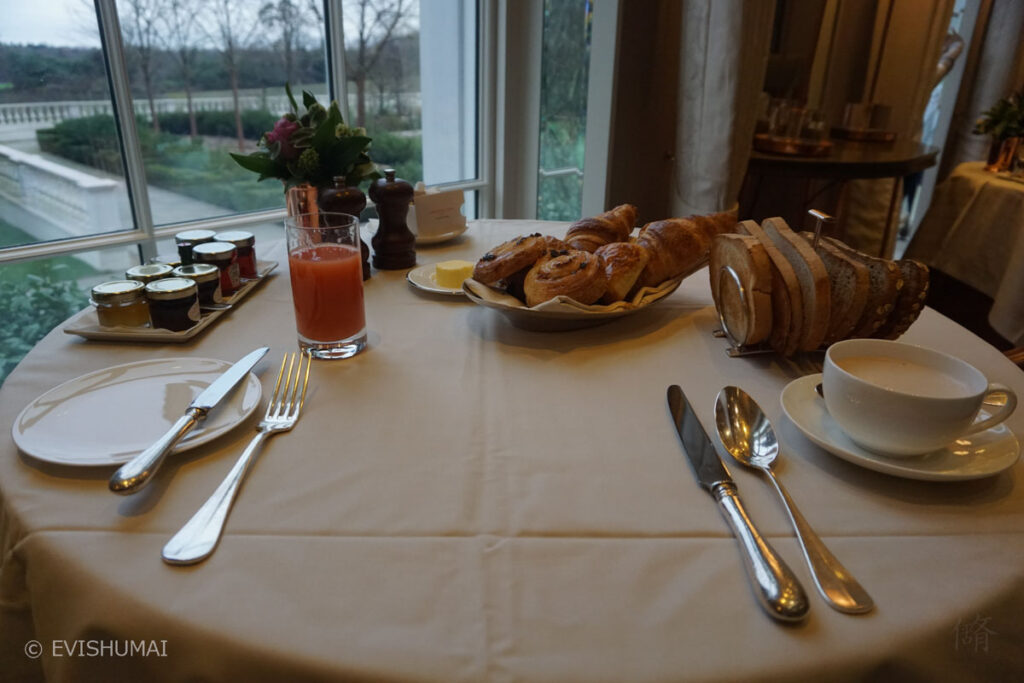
x,y
327,283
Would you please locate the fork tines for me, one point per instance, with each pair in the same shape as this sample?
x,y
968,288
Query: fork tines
x,y
283,405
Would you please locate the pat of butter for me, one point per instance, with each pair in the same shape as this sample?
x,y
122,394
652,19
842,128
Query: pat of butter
x,y
452,273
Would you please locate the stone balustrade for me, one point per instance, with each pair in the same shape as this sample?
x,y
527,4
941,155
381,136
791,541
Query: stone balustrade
x,y
69,203
49,113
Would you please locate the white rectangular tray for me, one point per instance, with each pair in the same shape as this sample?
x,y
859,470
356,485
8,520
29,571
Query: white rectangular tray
x,y
85,324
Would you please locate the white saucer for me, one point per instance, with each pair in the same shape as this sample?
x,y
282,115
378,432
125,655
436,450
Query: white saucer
x,y
425,278
109,416
972,457
443,237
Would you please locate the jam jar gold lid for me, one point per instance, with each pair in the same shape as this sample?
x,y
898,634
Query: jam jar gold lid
x,y
213,251
171,288
117,292
194,236
239,238
148,273
200,272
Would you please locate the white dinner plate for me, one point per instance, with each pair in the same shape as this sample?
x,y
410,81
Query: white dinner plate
x,y
442,237
972,457
425,278
109,416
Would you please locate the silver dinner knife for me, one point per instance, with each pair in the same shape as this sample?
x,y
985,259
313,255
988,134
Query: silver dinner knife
x,y
776,587
136,473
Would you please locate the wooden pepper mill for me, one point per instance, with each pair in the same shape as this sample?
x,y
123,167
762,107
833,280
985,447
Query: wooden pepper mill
x,y
343,198
394,245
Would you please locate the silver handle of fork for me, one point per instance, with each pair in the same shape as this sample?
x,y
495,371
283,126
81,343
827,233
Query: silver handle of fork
x,y
199,537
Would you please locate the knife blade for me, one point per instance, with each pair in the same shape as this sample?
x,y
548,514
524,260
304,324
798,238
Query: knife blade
x,y
777,589
137,472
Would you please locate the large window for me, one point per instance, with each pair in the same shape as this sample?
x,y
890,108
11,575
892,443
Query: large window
x,y
116,120
565,63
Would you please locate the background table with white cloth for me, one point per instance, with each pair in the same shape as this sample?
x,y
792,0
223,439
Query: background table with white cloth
x,y
974,232
467,501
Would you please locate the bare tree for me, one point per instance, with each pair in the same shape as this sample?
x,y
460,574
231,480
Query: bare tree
x,y
291,19
141,38
375,23
232,32
180,20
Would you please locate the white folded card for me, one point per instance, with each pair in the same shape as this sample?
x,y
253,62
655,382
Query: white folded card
x,y
437,213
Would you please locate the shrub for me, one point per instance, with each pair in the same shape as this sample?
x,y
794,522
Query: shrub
x,y
30,308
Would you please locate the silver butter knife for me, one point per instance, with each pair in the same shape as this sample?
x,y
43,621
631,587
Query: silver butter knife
x,y
136,473
776,587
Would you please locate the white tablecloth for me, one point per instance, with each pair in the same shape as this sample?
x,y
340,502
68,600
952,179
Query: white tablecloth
x,y
974,232
467,501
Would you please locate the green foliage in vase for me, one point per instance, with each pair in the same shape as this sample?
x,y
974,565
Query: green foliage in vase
x,y
1004,120
313,147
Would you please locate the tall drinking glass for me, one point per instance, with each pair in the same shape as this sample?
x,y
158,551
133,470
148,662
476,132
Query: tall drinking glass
x,y
327,283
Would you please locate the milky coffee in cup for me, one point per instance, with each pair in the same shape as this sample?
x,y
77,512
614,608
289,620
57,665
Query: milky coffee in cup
x,y
899,399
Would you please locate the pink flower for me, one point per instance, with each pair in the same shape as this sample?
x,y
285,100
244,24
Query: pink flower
x,y
282,133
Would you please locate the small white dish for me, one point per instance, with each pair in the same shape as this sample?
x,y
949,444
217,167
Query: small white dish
x,y
443,237
109,416
425,278
973,457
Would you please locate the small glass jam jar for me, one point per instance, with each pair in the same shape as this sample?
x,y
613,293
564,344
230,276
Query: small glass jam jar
x,y
173,303
207,279
120,303
148,273
187,240
243,242
225,257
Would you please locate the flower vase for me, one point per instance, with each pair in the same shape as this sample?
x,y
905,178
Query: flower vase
x,y
345,198
300,199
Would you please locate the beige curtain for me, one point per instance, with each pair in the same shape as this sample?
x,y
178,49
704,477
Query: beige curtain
x,y
907,44
723,50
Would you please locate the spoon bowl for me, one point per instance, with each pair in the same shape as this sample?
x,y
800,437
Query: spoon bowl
x,y
747,434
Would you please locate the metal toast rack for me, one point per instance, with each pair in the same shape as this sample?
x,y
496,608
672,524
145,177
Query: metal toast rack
x,y
726,273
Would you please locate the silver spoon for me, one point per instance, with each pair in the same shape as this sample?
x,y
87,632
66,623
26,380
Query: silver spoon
x,y
748,436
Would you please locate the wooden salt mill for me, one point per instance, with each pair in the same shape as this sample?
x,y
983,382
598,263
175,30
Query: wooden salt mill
x,y
394,245
343,198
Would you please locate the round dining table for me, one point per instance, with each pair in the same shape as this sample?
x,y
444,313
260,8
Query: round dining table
x,y
471,501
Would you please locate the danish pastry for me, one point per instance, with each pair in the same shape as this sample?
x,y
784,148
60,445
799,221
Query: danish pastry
x,y
575,274
509,258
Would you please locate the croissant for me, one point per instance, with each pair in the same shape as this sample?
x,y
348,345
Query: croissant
x,y
716,223
675,245
623,263
611,226
575,274
507,259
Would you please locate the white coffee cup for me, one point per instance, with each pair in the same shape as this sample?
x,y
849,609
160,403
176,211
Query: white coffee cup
x,y
899,399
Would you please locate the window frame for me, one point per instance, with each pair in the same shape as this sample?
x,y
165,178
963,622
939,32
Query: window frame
x,y
145,233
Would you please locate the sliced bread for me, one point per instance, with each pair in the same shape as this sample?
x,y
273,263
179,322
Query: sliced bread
x,y
849,281
812,275
748,316
910,301
787,302
886,282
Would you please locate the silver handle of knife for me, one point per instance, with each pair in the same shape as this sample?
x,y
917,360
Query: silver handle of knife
x,y
136,473
774,583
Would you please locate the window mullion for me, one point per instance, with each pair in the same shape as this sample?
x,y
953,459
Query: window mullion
x,y
124,114
335,57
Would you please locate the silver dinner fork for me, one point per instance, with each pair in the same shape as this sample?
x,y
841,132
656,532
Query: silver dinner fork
x,y
199,537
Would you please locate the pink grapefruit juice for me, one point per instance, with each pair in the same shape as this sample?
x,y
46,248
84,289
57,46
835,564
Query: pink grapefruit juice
x,y
327,289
